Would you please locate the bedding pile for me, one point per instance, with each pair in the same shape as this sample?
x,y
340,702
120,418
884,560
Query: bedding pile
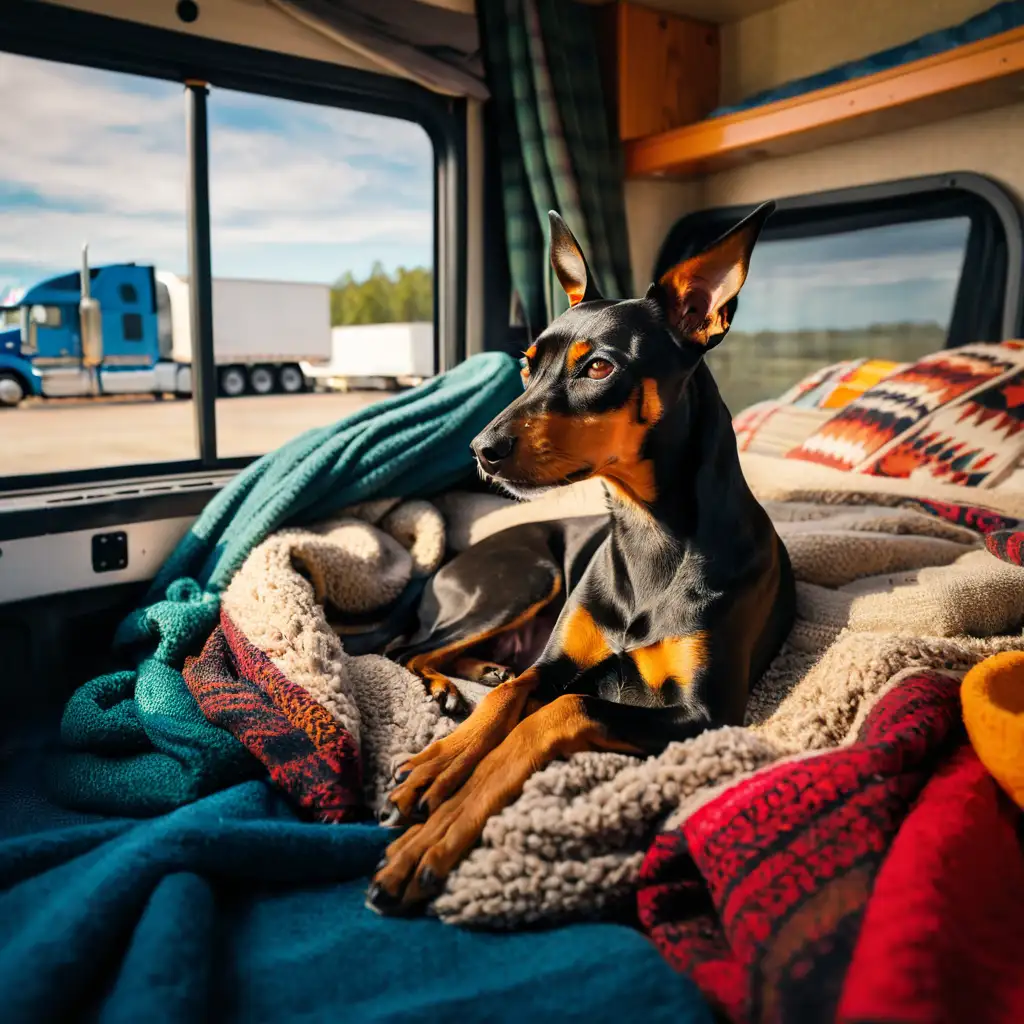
x,y
905,583
883,589
135,742
880,880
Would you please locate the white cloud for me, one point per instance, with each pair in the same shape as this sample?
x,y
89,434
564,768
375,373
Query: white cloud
x,y
103,157
884,269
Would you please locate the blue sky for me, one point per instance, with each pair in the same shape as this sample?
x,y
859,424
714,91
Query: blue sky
x,y
903,273
305,193
298,192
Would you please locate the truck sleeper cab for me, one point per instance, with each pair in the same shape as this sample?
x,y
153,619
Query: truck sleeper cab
x,y
265,330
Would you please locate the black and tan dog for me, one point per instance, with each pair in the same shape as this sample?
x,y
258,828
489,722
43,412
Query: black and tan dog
x,y
623,632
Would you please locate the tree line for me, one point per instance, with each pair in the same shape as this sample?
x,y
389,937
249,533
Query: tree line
x,y
383,298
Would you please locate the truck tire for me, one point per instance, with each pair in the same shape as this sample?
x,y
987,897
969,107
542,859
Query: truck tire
x,y
291,379
261,380
232,381
12,389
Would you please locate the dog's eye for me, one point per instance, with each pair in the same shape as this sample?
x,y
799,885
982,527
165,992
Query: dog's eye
x,y
599,369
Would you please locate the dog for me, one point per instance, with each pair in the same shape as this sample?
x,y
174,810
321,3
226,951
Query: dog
x,y
623,632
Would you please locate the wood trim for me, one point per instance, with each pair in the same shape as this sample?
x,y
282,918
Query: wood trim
x,y
979,76
661,70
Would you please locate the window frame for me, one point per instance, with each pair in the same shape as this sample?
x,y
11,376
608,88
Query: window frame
x,y
84,39
904,201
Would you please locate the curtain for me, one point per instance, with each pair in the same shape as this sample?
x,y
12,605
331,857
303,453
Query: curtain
x,y
557,148
434,46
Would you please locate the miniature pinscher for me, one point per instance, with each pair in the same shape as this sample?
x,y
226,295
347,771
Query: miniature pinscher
x,y
623,632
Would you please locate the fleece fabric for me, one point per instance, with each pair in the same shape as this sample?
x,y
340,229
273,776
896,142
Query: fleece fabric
x,y
231,909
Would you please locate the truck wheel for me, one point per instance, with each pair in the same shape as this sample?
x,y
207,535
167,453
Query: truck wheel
x,y
291,379
261,380
12,390
232,381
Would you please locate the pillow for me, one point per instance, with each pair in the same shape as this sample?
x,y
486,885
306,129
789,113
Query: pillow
x,y
774,426
955,415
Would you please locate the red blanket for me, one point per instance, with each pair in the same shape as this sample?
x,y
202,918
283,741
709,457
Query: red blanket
x,y
818,889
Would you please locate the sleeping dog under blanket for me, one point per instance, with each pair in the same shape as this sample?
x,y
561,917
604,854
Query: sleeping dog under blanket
x,y
623,633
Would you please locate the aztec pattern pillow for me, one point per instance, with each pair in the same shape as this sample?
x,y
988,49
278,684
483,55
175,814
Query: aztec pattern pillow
x,y
955,415
775,426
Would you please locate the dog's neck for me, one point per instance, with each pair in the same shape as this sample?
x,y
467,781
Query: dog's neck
x,y
702,502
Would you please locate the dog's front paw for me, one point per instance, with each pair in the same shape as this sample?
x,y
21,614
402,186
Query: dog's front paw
x,y
416,865
428,778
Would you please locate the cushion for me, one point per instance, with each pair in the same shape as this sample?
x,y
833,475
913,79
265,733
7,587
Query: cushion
x,y
955,415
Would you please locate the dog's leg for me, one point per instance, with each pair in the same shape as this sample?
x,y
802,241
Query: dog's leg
x,y
417,863
489,593
430,777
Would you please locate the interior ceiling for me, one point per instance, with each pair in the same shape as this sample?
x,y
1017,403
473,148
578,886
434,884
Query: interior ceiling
x,y
719,11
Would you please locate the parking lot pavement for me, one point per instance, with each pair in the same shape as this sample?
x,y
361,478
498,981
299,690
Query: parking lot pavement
x,y
53,435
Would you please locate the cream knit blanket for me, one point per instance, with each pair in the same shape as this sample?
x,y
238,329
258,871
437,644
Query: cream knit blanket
x,y
881,589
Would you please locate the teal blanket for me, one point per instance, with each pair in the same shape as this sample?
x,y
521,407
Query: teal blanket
x,y
230,909
135,742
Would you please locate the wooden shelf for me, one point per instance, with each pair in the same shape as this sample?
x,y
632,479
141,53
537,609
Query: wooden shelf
x,y
979,76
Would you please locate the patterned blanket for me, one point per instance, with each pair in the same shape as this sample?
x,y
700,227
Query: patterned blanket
x,y
882,880
887,583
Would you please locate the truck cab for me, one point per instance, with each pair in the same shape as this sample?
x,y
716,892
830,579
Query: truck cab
x,y
262,179
51,332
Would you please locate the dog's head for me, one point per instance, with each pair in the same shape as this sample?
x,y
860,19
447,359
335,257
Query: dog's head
x,y
604,373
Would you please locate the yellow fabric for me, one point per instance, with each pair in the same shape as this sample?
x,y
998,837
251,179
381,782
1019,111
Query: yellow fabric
x,y
858,380
992,695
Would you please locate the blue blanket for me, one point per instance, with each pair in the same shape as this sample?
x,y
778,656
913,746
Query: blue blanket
x,y
136,742
230,909
1001,18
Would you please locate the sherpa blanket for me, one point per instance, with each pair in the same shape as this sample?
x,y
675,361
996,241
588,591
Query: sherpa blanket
x,y
135,742
887,583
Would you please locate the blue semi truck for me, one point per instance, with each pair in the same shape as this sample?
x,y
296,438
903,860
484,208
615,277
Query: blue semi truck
x,y
126,329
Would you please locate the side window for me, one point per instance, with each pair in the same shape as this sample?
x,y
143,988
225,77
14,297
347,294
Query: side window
x,y
320,220
877,293
131,326
46,316
101,159
322,238
889,273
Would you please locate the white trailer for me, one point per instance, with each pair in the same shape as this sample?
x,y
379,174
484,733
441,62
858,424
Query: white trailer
x,y
385,353
264,332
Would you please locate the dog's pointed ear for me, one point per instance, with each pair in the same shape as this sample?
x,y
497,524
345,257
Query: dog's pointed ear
x,y
569,263
698,295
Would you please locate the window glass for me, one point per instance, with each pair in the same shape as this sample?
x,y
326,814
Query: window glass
x,y
878,293
91,157
322,245
132,327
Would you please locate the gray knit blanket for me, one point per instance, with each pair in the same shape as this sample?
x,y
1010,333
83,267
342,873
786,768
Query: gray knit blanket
x,y
882,588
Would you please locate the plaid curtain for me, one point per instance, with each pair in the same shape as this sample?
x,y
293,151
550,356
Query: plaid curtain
x,y
557,149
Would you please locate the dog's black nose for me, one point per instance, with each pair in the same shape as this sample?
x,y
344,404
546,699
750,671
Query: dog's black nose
x,y
492,450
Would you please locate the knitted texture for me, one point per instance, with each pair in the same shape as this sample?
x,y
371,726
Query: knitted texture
x,y
759,895
942,938
136,743
306,753
993,702
278,601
